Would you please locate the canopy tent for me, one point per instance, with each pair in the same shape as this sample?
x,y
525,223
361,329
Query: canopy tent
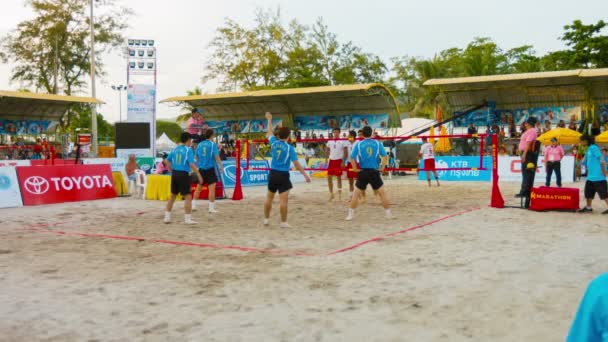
x,y
586,87
563,135
164,143
17,105
288,103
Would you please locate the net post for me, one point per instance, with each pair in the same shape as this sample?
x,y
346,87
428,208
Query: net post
x,y
237,195
52,155
247,154
481,149
496,201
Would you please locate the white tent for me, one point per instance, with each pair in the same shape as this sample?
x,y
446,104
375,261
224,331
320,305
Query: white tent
x,y
163,143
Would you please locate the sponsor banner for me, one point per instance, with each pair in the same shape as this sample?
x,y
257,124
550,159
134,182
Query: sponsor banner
x,y
14,127
10,195
248,177
258,126
460,175
503,117
146,164
359,121
223,126
140,102
15,163
509,169
317,163
116,164
312,122
545,198
254,177
138,152
59,184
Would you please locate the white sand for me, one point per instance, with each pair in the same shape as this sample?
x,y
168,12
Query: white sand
x,y
489,275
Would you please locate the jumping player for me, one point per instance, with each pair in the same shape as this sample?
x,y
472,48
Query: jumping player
x,y
371,155
283,154
338,154
426,152
207,157
180,162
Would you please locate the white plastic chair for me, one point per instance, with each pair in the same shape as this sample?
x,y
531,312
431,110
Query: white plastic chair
x,y
141,181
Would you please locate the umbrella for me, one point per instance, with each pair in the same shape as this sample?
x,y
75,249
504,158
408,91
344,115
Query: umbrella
x,y
432,135
602,138
443,145
563,135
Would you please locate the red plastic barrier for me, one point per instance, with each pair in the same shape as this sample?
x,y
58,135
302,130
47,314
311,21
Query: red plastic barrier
x,y
65,183
546,198
219,191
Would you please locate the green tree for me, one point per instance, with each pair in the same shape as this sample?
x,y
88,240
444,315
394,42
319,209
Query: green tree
x,y
172,129
82,119
51,51
187,108
273,55
483,57
523,59
589,48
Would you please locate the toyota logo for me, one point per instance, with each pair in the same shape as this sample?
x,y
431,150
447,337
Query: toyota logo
x,y
36,185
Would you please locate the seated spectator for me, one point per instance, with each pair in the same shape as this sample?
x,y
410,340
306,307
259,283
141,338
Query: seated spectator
x,y
502,150
512,131
309,152
547,127
161,166
131,167
224,152
572,125
561,124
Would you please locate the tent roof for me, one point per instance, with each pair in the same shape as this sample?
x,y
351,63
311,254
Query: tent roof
x,y
329,100
538,89
18,105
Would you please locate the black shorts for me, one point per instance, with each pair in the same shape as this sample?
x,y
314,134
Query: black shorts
x,y
279,181
371,177
180,183
209,176
599,187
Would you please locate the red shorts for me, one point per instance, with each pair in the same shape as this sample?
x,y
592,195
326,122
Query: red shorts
x,y
351,174
334,168
429,165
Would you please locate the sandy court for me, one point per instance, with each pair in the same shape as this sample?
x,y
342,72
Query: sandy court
x,y
500,275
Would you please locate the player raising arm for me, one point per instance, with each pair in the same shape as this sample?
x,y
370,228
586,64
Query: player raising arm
x,y
283,154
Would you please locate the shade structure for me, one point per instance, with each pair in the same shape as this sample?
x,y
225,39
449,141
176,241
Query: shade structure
x,y
286,103
26,105
443,144
563,135
164,143
602,138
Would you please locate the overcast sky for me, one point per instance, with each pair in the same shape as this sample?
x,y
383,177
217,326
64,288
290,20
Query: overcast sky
x,y
183,28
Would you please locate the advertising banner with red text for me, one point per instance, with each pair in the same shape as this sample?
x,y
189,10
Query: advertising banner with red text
x,y
509,169
15,163
69,183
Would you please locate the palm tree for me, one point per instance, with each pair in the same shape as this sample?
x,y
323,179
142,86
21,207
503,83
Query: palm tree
x,y
187,107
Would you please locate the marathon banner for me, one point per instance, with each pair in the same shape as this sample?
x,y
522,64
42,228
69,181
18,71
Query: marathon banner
x,y
546,198
65,183
10,195
460,175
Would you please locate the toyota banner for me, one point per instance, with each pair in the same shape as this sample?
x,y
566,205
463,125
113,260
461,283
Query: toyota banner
x,y
59,184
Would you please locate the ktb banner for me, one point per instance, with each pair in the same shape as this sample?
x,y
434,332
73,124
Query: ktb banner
x,y
460,175
10,196
69,183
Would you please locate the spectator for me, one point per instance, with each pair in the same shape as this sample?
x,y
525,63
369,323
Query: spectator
x,y
224,154
298,134
595,128
472,129
309,153
512,131
131,167
561,124
553,157
572,125
547,127
596,173
161,167
502,150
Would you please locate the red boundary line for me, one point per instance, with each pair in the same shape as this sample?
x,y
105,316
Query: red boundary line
x,y
40,229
